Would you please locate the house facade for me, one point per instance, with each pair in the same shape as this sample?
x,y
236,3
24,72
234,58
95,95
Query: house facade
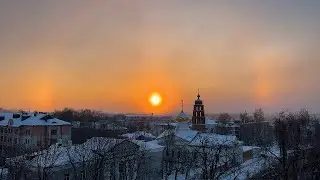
x,y
31,131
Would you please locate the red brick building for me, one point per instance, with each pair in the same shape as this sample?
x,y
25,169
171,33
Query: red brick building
x,y
31,131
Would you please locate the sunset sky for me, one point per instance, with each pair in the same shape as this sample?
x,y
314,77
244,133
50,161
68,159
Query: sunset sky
x,y
111,55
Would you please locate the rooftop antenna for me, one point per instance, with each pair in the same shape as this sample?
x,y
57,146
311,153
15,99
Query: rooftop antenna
x,y
198,94
181,105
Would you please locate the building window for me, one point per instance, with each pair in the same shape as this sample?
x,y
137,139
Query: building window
x,y
28,141
16,140
122,170
66,176
39,143
1,130
28,132
5,130
54,141
194,155
54,132
16,131
1,138
5,139
83,175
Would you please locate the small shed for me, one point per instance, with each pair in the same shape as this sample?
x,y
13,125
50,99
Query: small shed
x,y
248,152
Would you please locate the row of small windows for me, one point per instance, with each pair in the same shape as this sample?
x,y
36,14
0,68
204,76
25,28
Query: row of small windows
x,y
82,176
26,132
178,154
27,141
54,132
198,108
196,113
9,130
9,139
6,139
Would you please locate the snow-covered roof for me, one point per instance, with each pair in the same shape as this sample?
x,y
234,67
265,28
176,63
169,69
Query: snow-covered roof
x,y
214,140
6,115
34,120
210,121
185,134
149,146
247,169
137,134
173,124
101,143
165,134
248,148
59,155
182,115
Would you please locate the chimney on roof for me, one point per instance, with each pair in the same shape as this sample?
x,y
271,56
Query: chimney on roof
x,y
24,117
15,116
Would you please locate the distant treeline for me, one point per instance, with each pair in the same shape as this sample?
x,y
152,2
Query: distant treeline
x,y
82,115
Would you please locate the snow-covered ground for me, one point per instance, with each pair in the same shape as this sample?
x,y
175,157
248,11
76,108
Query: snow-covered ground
x,y
3,173
247,169
244,171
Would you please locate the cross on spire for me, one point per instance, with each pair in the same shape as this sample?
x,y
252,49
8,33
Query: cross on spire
x,y
198,94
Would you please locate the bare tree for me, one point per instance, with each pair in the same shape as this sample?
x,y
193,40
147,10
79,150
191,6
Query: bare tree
x,y
80,159
293,132
215,156
244,117
258,115
18,164
224,117
143,165
16,167
45,162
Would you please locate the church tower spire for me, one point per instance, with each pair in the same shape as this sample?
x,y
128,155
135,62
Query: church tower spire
x,y
198,118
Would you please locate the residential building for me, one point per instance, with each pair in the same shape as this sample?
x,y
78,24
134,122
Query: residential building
x,y
31,131
227,128
139,135
97,158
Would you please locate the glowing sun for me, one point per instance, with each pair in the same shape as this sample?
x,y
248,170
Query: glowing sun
x,y
155,99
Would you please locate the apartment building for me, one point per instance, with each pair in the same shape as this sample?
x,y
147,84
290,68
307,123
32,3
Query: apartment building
x,y
31,131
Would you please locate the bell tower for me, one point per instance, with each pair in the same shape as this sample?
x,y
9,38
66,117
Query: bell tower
x,y
198,118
